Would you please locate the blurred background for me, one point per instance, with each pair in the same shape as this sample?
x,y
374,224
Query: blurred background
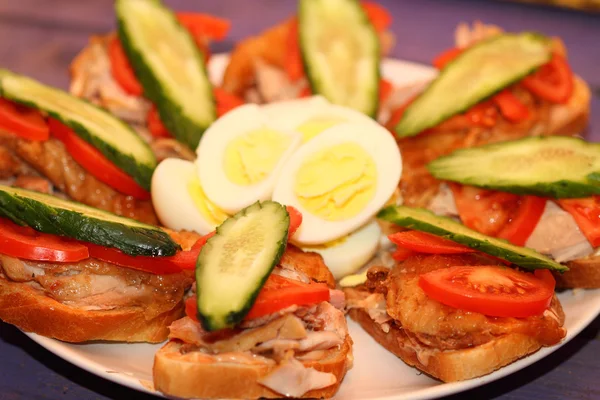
x,y
41,37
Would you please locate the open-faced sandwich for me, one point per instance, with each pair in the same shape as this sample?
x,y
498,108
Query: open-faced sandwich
x,y
55,143
330,48
263,321
153,75
458,304
334,164
76,273
493,86
537,192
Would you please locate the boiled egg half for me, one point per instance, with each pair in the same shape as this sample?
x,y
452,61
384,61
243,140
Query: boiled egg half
x,y
339,179
348,254
240,156
180,201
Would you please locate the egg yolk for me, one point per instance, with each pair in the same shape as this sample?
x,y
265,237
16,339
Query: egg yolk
x,y
251,157
207,208
336,183
313,127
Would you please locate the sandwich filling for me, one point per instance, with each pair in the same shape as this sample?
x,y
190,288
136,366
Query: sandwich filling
x,y
48,167
94,285
291,343
394,300
556,234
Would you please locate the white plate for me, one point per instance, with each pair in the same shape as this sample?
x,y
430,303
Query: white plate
x,y
377,374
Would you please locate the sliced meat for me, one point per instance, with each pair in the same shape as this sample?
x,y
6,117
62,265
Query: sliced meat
x,y
35,183
95,285
308,263
91,79
51,159
558,235
292,379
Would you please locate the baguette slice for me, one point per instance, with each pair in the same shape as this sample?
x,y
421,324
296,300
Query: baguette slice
x,y
32,311
181,374
583,273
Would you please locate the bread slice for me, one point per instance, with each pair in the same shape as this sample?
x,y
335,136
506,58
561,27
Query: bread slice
x,y
454,365
32,311
583,273
571,119
180,374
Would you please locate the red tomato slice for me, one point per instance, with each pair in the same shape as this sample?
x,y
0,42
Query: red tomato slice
x,y
385,89
23,121
401,254
498,214
121,69
293,65
295,220
397,114
209,26
586,213
29,244
279,293
155,125
485,211
422,242
226,101
443,59
510,106
491,290
482,114
380,18
524,220
552,81
183,260
96,163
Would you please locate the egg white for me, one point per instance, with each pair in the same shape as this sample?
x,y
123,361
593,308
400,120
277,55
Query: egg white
x,y
172,200
378,143
353,253
227,195
292,114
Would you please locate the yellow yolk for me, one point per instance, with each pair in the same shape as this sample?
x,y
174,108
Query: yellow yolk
x,y
250,158
336,183
209,211
313,127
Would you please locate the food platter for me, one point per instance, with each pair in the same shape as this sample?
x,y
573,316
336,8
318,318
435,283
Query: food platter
x,y
376,373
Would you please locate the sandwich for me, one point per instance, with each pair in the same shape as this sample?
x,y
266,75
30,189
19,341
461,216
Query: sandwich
x,y
136,74
263,321
538,192
459,305
78,274
55,143
493,86
287,61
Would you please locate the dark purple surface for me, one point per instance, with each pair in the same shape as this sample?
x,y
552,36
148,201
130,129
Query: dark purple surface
x,y
40,37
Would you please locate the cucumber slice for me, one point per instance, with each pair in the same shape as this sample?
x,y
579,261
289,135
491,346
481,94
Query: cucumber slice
x,y
235,263
113,138
551,166
424,220
56,216
476,74
340,50
169,66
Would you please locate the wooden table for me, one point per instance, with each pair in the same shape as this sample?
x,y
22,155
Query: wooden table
x,y
40,37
